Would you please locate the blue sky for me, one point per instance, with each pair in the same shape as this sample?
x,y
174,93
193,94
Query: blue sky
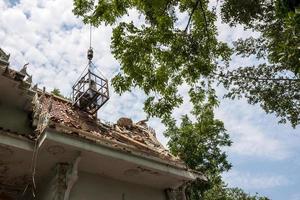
x,y
265,155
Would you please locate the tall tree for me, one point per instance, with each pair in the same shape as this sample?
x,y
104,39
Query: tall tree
x,y
160,56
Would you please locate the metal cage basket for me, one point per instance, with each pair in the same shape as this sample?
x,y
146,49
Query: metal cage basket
x,y
90,92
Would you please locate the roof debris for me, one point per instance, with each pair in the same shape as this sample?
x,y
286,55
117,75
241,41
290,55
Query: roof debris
x,y
63,117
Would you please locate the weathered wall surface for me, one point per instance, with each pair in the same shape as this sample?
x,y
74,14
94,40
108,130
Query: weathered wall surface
x,y
54,188
14,119
94,187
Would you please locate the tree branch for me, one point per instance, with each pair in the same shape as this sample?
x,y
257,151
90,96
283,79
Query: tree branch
x,y
260,79
190,18
204,17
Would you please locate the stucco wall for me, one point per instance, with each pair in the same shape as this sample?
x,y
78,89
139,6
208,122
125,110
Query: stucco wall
x,y
94,187
14,119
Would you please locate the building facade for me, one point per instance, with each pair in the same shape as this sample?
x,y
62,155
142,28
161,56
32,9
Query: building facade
x,y
50,150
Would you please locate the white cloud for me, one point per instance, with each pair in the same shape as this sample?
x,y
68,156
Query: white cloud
x,y
250,181
248,135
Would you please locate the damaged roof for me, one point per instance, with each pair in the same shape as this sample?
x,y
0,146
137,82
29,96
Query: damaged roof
x,y
51,112
58,114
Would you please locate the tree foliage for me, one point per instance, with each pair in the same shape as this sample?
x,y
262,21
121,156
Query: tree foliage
x,y
57,92
221,192
146,52
198,142
274,83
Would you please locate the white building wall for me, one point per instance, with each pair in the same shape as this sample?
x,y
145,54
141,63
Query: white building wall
x,y
95,187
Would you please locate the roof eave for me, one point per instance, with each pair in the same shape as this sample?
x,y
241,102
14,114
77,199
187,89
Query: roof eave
x,y
123,152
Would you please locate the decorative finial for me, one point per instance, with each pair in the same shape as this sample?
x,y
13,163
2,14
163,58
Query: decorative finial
x,y
24,69
35,87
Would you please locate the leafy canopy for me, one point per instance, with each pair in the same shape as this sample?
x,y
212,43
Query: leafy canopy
x,y
160,55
